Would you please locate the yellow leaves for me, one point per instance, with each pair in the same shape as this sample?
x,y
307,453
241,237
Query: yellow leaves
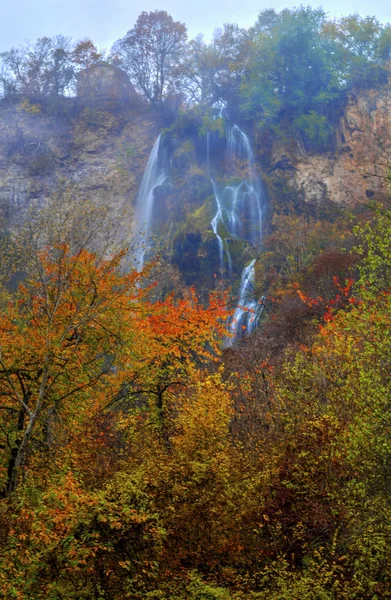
x,y
28,107
56,339
204,413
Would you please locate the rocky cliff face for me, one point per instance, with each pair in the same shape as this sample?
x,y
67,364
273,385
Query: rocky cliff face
x,y
356,169
97,152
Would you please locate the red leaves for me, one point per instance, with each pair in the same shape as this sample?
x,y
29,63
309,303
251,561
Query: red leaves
x,y
340,300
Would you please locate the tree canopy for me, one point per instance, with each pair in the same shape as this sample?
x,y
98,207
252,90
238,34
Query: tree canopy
x,y
150,53
291,72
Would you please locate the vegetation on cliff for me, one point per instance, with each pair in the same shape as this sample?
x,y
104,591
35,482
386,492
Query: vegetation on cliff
x,y
291,71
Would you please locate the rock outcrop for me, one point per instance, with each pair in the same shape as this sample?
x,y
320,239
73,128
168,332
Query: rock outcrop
x,y
104,81
98,153
357,169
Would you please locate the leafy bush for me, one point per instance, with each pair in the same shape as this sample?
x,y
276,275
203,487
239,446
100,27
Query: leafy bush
x,y
314,129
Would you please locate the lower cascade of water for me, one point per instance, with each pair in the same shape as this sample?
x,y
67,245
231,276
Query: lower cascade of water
x,y
249,308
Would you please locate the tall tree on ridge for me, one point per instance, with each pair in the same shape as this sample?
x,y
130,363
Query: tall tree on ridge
x,y
150,53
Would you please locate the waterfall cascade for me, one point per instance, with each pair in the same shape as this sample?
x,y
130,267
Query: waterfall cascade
x,y
217,219
249,308
239,215
154,176
238,195
239,202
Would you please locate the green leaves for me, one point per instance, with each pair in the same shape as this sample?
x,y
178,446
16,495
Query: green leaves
x,y
375,251
315,129
301,66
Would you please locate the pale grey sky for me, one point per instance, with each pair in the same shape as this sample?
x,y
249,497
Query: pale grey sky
x,y
104,21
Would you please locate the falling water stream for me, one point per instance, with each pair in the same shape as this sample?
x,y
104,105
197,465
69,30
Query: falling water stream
x,y
249,309
239,215
154,176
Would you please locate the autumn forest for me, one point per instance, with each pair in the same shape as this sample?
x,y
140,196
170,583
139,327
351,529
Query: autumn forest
x,y
143,454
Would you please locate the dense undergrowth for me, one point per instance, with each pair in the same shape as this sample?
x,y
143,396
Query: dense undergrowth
x,y
139,461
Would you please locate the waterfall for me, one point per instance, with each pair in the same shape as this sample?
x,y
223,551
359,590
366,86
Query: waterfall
x,y
238,196
249,309
238,204
154,176
217,219
245,198
238,214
